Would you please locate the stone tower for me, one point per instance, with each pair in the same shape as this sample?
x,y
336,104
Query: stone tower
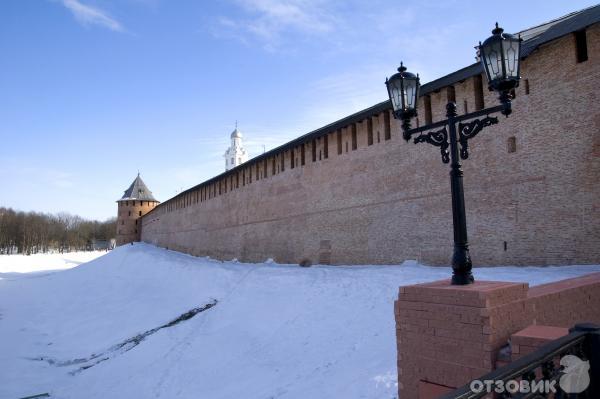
x,y
136,202
235,154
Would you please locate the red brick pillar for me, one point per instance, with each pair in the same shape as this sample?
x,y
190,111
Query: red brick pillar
x,y
448,335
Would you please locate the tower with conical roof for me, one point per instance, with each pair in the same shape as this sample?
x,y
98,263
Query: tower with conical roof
x,y
135,203
235,154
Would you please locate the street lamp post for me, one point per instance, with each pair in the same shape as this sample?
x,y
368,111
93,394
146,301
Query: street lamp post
x,y
500,56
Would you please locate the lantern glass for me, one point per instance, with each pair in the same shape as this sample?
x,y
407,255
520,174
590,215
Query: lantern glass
x,y
511,50
411,93
395,92
492,59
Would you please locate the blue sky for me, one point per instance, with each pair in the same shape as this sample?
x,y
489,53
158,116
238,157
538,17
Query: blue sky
x,y
91,91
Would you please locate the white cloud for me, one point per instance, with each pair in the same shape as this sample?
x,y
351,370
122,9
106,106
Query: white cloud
x,y
88,15
269,20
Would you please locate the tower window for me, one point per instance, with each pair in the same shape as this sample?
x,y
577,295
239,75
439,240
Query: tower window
x,y
314,150
339,141
581,45
302,155
326,146
140,213
129,213
354,137
466,106
369,131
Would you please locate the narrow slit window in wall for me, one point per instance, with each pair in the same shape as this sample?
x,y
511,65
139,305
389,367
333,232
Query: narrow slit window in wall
x,y
354,137
428,116
339,141
526,86
302,154
292,158
511,144
478,91
369,131
326,146
581,45
387,126
282,161
451,94
314,150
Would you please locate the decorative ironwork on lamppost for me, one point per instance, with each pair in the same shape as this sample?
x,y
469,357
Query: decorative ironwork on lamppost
x,y
500,55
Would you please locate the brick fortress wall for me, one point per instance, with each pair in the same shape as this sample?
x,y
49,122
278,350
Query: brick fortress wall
x,y
390,200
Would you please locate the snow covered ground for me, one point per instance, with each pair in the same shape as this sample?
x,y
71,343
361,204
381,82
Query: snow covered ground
x,y
14,265
111,328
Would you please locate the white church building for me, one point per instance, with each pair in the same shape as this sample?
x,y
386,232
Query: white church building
x,y
235,154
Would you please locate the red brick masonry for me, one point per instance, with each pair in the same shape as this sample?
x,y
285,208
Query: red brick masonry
x,y
448,335
531,338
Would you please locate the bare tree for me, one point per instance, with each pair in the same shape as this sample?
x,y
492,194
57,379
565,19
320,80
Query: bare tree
x,y
32,232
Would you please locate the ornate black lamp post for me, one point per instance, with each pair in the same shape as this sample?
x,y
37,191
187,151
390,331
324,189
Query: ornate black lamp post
x,y
500,56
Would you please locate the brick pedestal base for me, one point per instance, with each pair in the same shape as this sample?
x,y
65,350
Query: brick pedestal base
x,y
448,335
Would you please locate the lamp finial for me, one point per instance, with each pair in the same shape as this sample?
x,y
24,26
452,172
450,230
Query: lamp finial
x,y
497,30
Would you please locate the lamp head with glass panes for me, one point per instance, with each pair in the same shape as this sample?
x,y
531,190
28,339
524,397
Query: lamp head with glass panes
x,y
403,89
500,57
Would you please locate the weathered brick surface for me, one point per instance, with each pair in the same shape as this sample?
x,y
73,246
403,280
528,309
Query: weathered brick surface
x,y
390,201
448,335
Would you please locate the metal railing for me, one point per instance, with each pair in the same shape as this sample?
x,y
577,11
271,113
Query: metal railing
x,y
545,373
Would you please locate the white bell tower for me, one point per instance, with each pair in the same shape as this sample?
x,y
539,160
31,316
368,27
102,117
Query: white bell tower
x,y
235,154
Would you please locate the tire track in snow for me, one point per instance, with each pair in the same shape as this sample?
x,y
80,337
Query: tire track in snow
x,y
121,347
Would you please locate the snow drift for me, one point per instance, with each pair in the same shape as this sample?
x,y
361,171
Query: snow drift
x,y
144,322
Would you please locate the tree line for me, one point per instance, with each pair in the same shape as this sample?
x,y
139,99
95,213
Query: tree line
x,y
33,232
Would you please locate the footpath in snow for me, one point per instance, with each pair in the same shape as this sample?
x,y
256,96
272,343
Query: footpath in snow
x,y
144,322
